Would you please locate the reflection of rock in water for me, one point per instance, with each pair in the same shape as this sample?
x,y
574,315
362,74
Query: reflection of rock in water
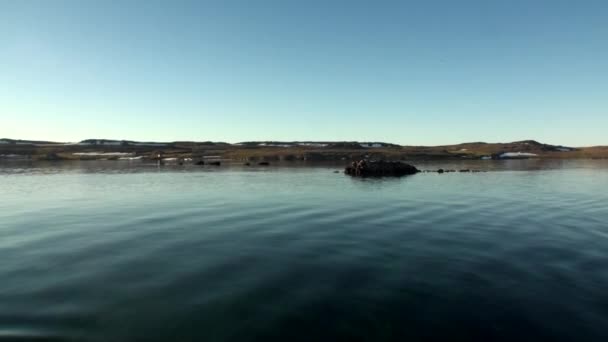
x,y
381,168
52,157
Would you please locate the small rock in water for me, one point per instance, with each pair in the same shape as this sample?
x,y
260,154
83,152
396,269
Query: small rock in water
x,y
263,163
440,171
381,168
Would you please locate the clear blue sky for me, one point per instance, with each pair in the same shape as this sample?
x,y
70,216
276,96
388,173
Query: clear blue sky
x,y
408,72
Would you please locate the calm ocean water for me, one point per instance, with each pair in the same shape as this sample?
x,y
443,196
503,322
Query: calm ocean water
x,y
119,251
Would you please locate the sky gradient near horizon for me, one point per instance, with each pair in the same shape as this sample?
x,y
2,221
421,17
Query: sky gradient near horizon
x,y
407,72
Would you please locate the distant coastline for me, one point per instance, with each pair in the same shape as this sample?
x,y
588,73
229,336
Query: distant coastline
x,y
96,149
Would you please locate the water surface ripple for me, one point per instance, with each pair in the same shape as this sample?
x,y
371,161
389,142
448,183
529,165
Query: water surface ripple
x,y
100,252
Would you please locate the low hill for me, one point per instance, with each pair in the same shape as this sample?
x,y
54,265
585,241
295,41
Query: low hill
x,y
5,141
291,150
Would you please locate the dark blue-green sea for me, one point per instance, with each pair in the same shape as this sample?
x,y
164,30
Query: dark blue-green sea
x,y
134,251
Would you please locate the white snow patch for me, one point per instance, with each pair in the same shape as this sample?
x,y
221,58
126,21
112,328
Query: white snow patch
x,y
313,144
517,155
274,145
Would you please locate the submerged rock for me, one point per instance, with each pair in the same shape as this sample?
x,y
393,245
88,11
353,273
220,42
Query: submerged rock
x,y
381,168
52,157
263,163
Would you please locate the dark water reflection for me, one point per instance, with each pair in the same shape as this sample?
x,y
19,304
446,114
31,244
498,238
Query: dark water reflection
x,y
107,251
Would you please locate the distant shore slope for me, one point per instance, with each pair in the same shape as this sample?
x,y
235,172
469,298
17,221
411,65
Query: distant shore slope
x,y
286,151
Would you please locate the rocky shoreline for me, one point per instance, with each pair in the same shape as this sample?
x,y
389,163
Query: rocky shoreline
x,y
385,168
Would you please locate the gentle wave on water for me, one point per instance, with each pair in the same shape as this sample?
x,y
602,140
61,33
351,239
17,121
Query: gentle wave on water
x,y
100,252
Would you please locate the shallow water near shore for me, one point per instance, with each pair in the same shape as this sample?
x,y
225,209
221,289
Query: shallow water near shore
x,y
132,251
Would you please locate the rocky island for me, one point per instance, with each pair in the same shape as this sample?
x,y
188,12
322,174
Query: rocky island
x,y
380,168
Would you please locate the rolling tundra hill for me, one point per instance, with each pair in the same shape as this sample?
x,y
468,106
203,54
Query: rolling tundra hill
x,y
288,151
